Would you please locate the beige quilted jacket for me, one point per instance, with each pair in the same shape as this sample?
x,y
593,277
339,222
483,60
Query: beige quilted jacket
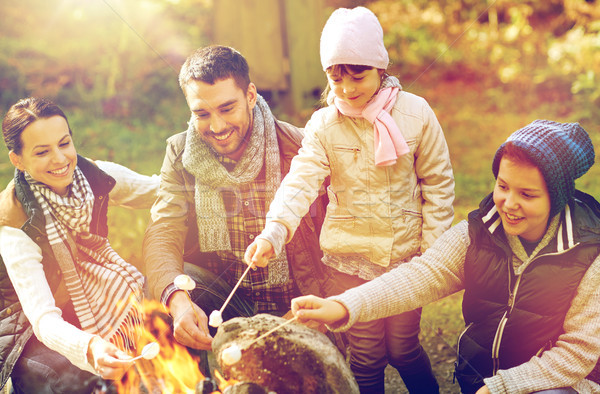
x,y
384,214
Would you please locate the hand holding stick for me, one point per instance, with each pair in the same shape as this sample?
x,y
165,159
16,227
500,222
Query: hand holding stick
x,y
233,353
185,283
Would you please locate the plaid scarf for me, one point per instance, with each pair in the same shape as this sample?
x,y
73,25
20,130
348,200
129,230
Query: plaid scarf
x,y
105,290
212,178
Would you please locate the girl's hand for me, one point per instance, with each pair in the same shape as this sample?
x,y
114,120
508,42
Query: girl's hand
x,y
319,309
259,252
107,359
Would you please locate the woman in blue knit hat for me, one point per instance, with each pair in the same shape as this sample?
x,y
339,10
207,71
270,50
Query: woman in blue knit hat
x,y
528,260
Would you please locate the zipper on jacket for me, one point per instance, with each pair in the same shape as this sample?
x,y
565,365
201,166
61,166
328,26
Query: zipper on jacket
x,y
458,350
512,295
347,149
103,201
500,331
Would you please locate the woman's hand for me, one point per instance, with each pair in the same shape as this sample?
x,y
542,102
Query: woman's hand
x,y
107,359
259,252
319,309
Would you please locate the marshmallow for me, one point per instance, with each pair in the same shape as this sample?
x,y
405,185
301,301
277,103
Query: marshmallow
x,y
231,355
184,282
215,319
151,350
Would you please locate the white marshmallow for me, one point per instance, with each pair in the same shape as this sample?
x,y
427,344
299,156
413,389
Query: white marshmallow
x,y
231,355
151,350
184,282
215,319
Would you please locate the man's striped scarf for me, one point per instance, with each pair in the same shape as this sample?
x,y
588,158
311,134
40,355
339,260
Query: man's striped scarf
x,y
106,291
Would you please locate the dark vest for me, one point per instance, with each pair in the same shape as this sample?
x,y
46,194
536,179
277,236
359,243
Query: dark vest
x,y
15,329
509,318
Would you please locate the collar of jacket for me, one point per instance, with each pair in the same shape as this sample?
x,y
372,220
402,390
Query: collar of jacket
x,y
579,222
100,182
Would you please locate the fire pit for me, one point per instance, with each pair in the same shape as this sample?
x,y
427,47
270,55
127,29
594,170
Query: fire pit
x,y
292,359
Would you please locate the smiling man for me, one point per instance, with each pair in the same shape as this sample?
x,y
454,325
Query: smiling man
x,y
218,179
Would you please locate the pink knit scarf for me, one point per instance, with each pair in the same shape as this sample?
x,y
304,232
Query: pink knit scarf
x,y
389,143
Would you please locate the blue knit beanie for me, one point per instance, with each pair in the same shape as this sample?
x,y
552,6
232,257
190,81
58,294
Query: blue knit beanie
x,y
562,151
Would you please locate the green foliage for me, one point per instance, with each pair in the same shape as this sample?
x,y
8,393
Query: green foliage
x,y
487,68
548,50
576,57
113,59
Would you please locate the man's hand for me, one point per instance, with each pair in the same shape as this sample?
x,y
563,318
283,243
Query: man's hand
x,y
319,309
187,330
259,252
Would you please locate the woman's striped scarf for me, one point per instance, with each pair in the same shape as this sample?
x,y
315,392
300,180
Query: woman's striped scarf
x,y
106,291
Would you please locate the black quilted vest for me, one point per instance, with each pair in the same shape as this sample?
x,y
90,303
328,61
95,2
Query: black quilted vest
x,y
498,336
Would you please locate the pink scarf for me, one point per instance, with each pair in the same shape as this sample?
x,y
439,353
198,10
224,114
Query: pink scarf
x,y
389,143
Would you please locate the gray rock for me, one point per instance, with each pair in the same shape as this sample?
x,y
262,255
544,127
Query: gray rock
x,y
245,388
293,359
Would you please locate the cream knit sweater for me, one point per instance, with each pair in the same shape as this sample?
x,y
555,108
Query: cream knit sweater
x,y
22,257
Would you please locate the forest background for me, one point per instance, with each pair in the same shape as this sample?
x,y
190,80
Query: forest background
x,y
486,67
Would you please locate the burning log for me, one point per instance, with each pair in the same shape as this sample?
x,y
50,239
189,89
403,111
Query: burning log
x,y
292,359
207,386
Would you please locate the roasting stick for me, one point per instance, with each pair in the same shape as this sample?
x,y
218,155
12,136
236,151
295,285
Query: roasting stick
x,y
216,317
233,353
272,330
234,289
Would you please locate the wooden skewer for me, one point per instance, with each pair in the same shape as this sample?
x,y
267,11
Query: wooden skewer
x,y
187,293
192,305
234,289
272,330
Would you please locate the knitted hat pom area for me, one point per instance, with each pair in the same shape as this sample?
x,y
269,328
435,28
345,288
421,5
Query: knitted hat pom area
x,y
563,152
353,36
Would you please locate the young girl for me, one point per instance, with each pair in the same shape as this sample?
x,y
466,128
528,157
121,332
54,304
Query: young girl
x,y
69,302
529,262
390,193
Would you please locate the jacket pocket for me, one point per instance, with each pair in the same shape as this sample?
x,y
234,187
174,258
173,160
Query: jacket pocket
x,y
337,234
409,212
460,337
413,221
346,158
346,149
547,346
470,360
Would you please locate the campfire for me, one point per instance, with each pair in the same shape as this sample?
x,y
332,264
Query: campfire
x,y
173,370
276,355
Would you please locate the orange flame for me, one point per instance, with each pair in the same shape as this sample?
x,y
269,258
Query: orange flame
x,y
222,382
174,370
